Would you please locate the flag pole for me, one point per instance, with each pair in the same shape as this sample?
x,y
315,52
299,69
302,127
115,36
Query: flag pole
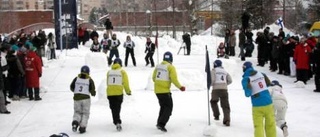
x,y
207,69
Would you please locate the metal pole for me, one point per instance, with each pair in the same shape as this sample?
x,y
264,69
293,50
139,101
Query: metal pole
x,y
174,20
211,17
60,24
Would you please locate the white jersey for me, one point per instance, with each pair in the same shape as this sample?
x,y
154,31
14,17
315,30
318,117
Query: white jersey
x,y
129,44
221,76
276,93
162,72
258,83
82,86
114,43
115,77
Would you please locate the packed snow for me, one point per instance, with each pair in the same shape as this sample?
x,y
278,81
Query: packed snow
x,y
139,111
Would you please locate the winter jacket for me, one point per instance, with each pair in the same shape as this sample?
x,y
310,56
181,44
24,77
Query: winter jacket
x,y
108,24
301,56
91,87
15,67
33,69
232,40
220,78
163,75
276,93
255,85
117,80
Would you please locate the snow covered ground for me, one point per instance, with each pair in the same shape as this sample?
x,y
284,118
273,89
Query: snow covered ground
x,y
139,112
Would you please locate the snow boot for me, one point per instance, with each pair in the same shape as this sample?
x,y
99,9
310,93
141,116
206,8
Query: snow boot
x,y
162,128
284,128
82,130
75,125
118,126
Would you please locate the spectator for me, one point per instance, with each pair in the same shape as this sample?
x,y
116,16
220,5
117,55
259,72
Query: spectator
x,y
187,40
109,27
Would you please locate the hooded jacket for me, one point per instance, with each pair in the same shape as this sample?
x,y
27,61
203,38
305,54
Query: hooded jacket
x,y
258,91
117,80
163,75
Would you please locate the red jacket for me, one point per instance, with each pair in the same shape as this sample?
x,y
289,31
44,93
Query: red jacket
x,y
301,56
33,68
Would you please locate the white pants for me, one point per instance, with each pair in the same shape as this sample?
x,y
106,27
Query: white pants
x,y
82,111
292,67
280,110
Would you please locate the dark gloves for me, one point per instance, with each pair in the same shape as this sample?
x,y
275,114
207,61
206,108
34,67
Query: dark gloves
x,y
40,74
129,94
183,88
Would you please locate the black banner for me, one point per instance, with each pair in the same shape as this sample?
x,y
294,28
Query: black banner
x,y
68,23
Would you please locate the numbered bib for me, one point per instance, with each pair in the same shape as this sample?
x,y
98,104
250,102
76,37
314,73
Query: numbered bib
x,y
162,72
114,43
221,75
82,86
258,83
115,77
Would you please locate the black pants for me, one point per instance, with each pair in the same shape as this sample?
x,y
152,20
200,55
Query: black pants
x,y
273,64
302,75
317,79
53,53
232,51
281,65
131,52
115,106
166,105
148,57
36,93
188,48
113,52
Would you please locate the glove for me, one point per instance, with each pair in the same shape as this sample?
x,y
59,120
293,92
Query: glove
x,y
183,88
129,94
40,74
93,94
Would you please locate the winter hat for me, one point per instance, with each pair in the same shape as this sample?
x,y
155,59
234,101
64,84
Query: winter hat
x,y
217,63
14,48
275,82
60,135
167,56
117,61
85,69
246,65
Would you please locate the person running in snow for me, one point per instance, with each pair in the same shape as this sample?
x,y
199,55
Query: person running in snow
x,y
220,81
105,43
255,85
82,86
114,44
129,45
117,81
150,48
280,105
163,75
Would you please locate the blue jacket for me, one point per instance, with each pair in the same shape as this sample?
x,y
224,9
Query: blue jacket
x,y
262,98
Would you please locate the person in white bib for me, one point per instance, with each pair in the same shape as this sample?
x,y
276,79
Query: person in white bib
x,y
129,45
280,105
163,75
220,80
255,85
117,81
82,86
